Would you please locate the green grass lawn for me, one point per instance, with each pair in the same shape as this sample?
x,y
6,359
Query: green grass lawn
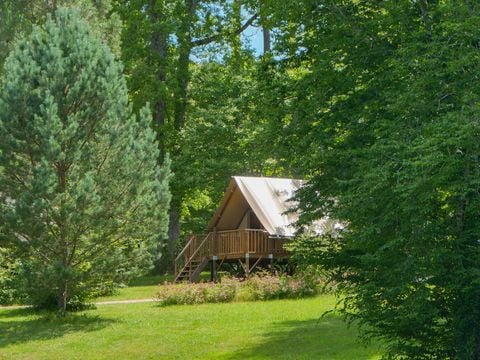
x,y
142,288
282,329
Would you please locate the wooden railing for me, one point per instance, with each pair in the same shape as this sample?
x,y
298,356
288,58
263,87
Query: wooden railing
x,y
240,242
230,244
198,246
234,243
193,244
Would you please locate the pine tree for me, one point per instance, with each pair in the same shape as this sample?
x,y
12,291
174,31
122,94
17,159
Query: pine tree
x,y
15,22
82,199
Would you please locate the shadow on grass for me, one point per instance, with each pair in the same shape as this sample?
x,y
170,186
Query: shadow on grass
x,y
328,338
24,325
13,312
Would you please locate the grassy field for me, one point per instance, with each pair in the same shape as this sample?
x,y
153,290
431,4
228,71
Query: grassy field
x,y
282,329
287,329
142,288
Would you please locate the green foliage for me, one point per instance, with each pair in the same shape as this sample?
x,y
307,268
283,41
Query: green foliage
x,y
8,290
187,59
16,22
308,250
225,134
82,199
384,113
268,287
307,253
262,286
188,294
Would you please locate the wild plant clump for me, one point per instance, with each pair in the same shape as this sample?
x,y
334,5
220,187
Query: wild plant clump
x,y
172,294
262,286
267,287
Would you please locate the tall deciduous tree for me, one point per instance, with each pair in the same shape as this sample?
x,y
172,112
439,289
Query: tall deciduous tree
x,y
159,41
384,113
82,197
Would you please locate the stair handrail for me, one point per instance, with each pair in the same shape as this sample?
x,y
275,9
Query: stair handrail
x,y
192,256
192,237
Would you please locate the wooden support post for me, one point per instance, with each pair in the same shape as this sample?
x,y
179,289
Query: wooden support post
x,y
256,263
213,269
247,264
244,268
220,265
214,249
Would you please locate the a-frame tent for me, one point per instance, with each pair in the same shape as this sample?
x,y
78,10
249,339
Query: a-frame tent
x,y
258,203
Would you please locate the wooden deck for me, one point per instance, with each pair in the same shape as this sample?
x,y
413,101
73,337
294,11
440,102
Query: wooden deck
x,y
229,245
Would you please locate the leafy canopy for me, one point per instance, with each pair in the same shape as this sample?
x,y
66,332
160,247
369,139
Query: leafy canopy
x,y
384,115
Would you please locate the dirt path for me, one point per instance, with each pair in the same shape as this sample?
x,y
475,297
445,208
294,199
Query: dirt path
x,y
13,307
112,302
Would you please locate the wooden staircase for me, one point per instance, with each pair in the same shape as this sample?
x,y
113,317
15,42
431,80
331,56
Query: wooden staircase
x,y
192,260
192,270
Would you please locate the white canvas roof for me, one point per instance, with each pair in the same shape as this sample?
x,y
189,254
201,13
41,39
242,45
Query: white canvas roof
x,y
268,198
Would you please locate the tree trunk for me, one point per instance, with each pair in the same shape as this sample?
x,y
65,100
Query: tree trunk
x,y
267,47
159,47
183,71
173,235
267,44
64,246
476,355
184,36
237,23
62,297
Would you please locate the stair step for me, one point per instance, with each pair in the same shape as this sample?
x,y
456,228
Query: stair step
x,y
191,269
192,266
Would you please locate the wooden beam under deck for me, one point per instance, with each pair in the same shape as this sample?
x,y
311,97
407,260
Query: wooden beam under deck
x,y
252,256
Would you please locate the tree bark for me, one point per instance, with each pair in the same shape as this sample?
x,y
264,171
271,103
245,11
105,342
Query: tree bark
x,y
62,224
267,47
184,36
183,72
159,47
267,44
181,79
62,297
237,23
173,234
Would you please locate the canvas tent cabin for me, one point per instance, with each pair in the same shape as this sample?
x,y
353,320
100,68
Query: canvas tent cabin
x,y
250,226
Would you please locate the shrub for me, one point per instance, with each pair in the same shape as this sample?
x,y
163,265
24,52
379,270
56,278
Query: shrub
x,y
9,293
171,294
261,286
266,287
